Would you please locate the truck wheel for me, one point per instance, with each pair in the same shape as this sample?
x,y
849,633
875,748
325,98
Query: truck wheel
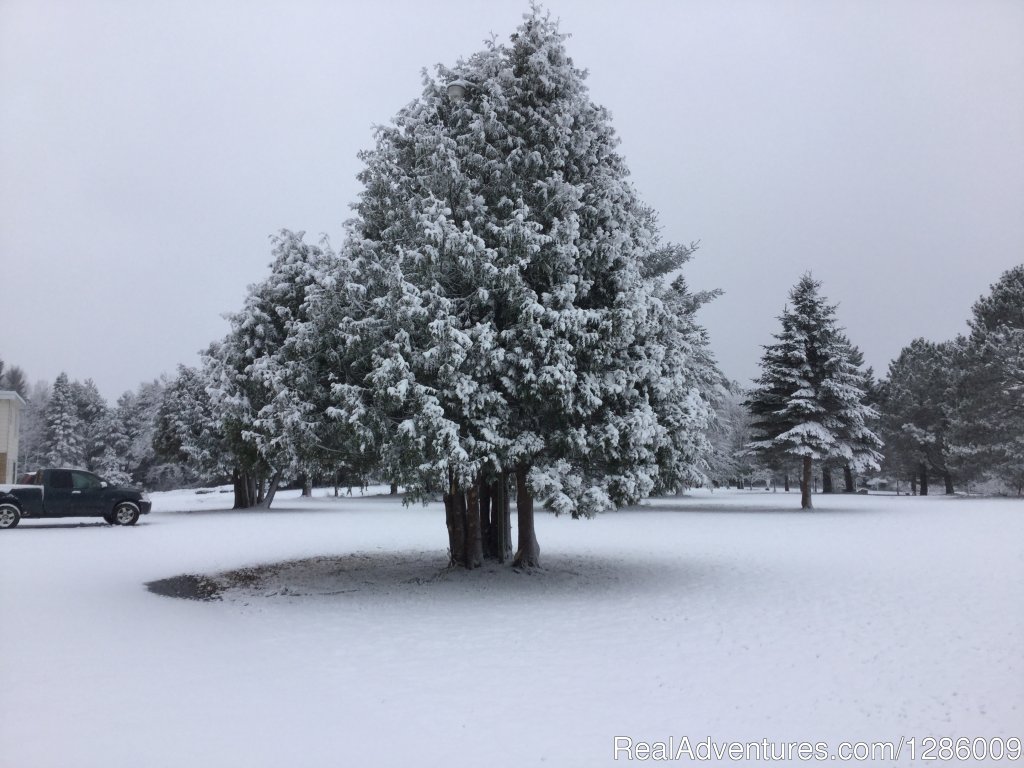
x,y
109,517
126,513
10,515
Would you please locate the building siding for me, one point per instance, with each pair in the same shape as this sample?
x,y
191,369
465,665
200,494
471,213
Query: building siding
x,y
10,413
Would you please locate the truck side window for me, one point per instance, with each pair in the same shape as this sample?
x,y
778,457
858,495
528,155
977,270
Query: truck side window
x,y
60,479
84,481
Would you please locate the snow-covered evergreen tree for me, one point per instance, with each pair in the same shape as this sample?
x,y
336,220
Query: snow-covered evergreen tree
x,y
33,451
93,424
287,427
13,379
252,378
64,444
730,460
234,399
917,406
988,427
128,454
320,370
809,401
187,429
514,281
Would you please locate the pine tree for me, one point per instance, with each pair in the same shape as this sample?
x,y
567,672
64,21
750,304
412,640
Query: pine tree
x,y
809,400
187,429
128,454
33,449
64,444
988,426
93,424
730,459
13,379
917,407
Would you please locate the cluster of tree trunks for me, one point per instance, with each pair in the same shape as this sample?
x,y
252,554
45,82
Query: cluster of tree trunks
x,y
252,490
479,521
919,482
827,484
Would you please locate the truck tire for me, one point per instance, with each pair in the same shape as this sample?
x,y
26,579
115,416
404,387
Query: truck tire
x,y
10,515
109,517
126,513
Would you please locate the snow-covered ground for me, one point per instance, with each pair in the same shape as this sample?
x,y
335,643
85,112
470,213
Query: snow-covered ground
x,y
730,615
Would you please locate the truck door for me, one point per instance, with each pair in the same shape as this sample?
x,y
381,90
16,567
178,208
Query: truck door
x,y
57,498
87,496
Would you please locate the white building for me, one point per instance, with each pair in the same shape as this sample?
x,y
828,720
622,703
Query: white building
x,y
10,421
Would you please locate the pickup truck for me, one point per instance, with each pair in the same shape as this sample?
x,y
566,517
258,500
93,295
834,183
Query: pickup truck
x,y
70,493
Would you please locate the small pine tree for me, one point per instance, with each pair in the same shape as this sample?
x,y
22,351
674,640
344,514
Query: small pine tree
x,y
808,402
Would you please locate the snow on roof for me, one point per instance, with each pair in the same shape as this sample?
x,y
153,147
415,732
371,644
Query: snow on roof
x,y
8,395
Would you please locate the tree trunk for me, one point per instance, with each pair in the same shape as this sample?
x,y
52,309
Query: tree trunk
x,y
506,519
787,482
924,480
501,518
948,478
474,544
394,488
268,499
826,479
486,537
913,485
528,554
238,480
307,486
455,516
848,478
805,485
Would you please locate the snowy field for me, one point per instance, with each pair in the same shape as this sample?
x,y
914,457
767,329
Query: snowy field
x,y
731,616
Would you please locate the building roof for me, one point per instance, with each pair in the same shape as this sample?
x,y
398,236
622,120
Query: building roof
x,y
8,395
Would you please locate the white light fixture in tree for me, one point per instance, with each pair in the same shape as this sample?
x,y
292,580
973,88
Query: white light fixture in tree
x,y
457,89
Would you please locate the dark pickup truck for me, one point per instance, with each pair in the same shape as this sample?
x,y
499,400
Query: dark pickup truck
x,y
70,493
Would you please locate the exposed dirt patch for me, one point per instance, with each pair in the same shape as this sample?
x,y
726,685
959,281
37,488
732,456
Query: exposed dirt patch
x,y
409,576
188,586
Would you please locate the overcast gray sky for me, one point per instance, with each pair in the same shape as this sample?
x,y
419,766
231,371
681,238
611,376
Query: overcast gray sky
x,y
148,149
